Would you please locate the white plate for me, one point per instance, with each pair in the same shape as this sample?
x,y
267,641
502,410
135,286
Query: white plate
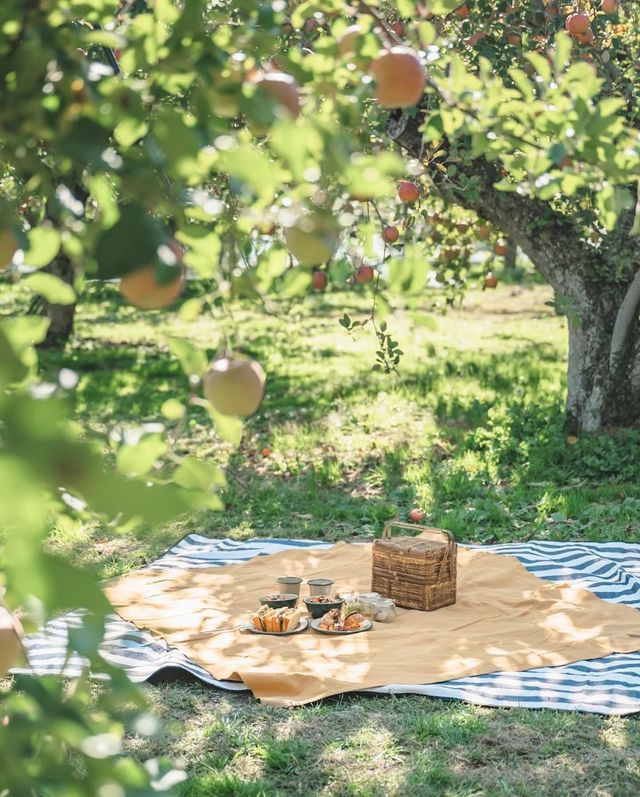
x,y
315,624
302,624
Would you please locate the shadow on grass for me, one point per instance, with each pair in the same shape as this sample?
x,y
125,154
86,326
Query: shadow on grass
x,y
393,746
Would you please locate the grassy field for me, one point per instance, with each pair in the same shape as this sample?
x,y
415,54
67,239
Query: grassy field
x,y
470,430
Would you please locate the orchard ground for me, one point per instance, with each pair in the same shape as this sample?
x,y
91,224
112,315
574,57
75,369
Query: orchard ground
x,y
470,430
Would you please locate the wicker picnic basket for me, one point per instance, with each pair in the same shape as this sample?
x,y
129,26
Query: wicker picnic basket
x,y
417,573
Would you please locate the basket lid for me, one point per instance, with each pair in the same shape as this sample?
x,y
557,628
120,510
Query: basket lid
x,y
411,544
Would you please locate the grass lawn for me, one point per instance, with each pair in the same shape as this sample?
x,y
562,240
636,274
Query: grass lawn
x,y
470,430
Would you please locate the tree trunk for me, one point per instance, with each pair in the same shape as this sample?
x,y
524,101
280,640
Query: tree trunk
x,y
511,255
597,287
61,316
600,396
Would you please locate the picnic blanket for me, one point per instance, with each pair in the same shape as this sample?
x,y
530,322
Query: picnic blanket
x,y
505,619
608,685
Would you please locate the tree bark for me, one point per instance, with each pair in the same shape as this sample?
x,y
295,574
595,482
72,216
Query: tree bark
x,y
61,316
511,255
598,397
597,288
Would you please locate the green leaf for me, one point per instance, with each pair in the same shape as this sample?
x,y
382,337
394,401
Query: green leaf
x,y
561,51
373,175
138,459
229,428
195,474
252,167
130,243
441,7
51,287
18,336
130,130
179,141
12,369
172,409
296,282
406,8
289,140
193,360
271,265
44,245
190,310
203,251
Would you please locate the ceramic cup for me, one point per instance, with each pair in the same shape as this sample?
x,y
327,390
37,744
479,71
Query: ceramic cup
x,y
320,586
289,584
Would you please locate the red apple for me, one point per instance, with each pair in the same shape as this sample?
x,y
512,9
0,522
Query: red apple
x,y
416,515
408,192
584,38
609,6
475,38
462,12
364,274
319,280
490,281
400,78
577,23
390,234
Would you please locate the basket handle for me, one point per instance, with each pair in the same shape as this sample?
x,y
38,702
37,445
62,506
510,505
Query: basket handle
x,y
386,532
448,554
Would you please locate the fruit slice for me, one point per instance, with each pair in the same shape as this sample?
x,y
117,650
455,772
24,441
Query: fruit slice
x,y
234,386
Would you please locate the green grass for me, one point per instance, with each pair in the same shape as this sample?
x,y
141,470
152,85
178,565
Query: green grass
x,y
470,430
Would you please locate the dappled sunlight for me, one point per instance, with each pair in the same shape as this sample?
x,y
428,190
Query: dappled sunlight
x,y
562,623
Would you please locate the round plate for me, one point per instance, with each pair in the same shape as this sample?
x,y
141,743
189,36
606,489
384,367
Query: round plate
x,y
366,626
304,623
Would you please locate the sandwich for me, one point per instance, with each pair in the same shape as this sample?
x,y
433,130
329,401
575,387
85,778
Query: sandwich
x,y
276,620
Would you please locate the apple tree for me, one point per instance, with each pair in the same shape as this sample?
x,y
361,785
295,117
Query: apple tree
x,y
272,149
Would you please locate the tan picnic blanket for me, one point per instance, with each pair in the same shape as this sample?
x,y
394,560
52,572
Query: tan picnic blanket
x,y
505,619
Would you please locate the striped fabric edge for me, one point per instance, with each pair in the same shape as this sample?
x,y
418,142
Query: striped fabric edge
x,y
609,685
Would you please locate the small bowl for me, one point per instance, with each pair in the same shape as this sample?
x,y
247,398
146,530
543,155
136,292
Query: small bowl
x,y
317,610
283,599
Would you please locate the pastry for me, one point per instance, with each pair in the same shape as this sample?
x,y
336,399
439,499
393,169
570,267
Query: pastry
x,y
350,619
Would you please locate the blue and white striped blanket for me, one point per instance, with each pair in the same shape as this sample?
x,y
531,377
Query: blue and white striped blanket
x,y
609,685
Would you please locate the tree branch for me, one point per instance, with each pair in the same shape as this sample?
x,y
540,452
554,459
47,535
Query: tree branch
x,y
625,321
548,238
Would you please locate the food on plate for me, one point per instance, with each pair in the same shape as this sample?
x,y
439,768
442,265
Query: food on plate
x,y
276,620
321,599
349,619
